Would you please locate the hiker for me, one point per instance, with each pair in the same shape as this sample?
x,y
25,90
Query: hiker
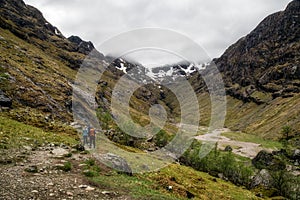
x,y
85,134
92,135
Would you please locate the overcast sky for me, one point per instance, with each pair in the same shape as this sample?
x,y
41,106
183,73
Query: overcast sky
x,y
213,24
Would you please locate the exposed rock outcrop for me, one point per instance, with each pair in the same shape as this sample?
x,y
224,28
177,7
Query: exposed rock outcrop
x,y
4,100
82,46
266,160
267,60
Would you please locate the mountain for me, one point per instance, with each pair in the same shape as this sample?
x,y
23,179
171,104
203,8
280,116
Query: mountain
x,y
261,72
39,84
266,60
37,65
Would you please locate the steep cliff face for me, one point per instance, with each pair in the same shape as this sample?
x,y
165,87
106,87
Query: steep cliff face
x,y
261,72
266,62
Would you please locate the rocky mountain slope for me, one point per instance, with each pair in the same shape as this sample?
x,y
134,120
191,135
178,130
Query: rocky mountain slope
x,y
37,65
261,73
266,60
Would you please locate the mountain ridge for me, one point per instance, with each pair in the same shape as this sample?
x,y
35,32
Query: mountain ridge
x,y
259,70
267,59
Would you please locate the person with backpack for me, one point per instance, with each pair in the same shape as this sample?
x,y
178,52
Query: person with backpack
x,y
92,135
85,133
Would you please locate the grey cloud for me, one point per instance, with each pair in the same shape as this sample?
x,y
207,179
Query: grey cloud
x,y
213,24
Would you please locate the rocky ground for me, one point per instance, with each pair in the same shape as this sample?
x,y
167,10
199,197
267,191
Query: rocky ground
x,y
43,173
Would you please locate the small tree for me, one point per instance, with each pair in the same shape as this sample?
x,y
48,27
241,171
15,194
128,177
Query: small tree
x,y
286,130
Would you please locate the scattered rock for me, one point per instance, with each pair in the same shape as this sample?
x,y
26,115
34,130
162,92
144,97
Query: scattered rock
x,y
4,100
32,169
228,148
35,191
89,188
106,192
28,148
59,152
170,188
58,166
82,165
83,186
70,194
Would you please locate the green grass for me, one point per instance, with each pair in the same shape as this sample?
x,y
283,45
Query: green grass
x,y
14,134
41,79
244,137
265,120
66,167
202,185
135,186
183,180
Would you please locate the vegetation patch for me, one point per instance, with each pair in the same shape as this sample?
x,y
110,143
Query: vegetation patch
x,y
14,134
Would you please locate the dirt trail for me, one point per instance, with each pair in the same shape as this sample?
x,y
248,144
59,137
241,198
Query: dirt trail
x,y
36,176
246,149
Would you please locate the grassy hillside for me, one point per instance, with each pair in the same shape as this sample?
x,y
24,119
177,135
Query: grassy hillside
x,y
265,120
185,182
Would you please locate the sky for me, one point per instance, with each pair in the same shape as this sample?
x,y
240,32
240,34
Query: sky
x,y
212,24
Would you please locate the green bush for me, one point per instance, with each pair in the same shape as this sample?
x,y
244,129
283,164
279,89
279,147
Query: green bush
x,y
286,184
90,162
92,169
218,162
162,138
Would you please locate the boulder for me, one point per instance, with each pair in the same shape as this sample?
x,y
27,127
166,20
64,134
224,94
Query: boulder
x,y
116,162
4,100
266,160
263,178
228,148
296,154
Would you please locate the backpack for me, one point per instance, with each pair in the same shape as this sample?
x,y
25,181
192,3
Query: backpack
x,y
92,132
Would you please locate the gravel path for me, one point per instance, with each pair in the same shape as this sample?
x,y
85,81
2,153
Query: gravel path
x,y
46,181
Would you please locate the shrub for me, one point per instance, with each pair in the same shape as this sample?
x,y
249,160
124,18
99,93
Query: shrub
x,y
162,138
218,162
90,162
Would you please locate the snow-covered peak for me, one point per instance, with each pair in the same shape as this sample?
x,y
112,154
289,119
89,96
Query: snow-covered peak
x,y
158,74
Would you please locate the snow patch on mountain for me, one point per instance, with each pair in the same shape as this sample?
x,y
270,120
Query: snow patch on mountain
x,y
158,74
